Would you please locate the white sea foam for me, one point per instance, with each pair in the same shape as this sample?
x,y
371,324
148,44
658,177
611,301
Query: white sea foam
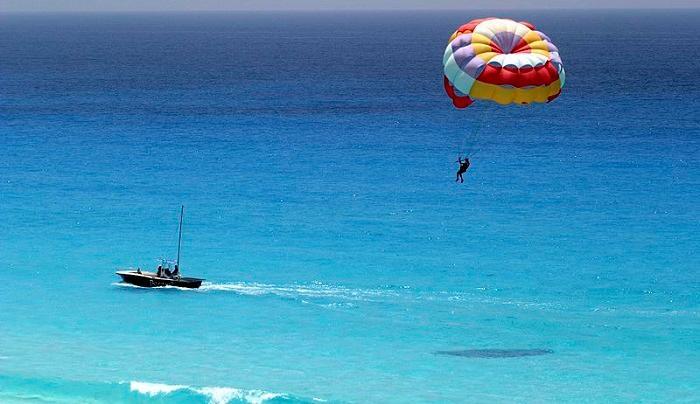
x,y
214,395
341,297
220,395
154,389
223,395
126,285
300,291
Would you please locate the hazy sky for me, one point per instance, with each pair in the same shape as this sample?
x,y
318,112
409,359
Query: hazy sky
x,y
191,5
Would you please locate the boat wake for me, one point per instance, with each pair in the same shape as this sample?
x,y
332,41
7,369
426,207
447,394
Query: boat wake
x,y
295,291
342,297
313,290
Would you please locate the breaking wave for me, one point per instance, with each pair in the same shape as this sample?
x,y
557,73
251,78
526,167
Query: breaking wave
x,y
213,395
15,389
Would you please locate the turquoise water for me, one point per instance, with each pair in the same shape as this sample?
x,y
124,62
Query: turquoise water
x,y
315,156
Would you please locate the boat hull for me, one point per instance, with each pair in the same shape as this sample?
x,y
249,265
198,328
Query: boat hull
x,y
150,280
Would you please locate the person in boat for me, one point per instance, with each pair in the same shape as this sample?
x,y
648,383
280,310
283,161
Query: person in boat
x,y
463,167
159,272
167,273
176,272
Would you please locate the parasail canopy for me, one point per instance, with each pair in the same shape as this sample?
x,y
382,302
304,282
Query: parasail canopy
x,y
501,60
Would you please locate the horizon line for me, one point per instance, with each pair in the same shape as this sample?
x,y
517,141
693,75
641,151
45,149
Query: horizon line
x,y
348,9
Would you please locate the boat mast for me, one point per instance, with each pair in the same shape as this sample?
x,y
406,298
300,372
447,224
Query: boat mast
x,y
179,237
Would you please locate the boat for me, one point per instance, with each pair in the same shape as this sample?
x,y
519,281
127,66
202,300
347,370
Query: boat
x,y
152,280
163,276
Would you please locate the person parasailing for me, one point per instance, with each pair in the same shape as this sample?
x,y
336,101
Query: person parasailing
x,y
463,167
501,61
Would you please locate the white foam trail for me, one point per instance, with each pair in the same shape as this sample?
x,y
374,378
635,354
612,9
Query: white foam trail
x,y
316,290
342,297
302,292
126,285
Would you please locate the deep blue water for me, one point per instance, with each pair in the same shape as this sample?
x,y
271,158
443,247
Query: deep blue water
x,y
315,156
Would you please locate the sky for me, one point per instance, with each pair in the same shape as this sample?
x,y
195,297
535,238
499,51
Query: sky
x,y
212,5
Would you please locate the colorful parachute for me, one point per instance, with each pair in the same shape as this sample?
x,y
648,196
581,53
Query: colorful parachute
x,y
503,61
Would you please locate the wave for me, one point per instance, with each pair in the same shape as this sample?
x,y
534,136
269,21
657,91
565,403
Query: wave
x,y
213,395
18,389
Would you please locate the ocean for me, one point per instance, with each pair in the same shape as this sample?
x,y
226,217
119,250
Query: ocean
x,y
315,156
